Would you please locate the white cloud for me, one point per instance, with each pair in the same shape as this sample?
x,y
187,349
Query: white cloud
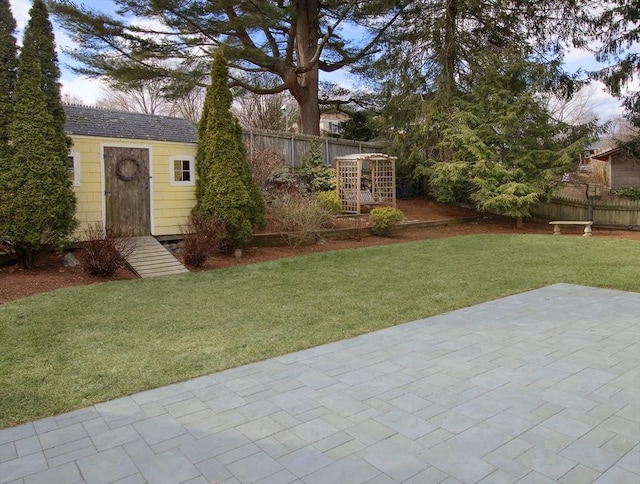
x,y
575,59
74,88
83,89
607,106
20,10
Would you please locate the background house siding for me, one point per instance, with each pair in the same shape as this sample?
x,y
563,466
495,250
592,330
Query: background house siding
x,y
625,171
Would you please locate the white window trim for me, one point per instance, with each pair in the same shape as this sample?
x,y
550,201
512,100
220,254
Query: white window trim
x,y
191,161
76,167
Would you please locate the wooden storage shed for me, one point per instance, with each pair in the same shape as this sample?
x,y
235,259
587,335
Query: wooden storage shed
x,y
365,180
132,169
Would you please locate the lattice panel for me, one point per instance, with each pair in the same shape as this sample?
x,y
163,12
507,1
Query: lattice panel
x,y
349,184
383,181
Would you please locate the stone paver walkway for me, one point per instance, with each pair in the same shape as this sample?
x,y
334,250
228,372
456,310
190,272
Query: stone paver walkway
x,y
539,387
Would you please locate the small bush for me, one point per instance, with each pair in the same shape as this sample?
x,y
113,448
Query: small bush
x,y
299,218
629,192
283,180
264,164
203,236
319,176
330,201
384,219
106,252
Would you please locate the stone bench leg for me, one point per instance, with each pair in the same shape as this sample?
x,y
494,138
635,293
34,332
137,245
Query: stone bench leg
x,y
587,231
556,230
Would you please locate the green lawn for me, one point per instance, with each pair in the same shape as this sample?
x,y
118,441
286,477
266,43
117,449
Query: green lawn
x,y
77,346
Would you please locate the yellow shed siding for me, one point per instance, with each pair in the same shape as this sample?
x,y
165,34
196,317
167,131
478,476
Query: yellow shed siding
x,y
170,204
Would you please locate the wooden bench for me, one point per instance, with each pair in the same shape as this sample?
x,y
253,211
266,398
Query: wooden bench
x,y
557,223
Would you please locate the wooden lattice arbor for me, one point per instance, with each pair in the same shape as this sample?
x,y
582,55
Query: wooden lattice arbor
x,y
366,179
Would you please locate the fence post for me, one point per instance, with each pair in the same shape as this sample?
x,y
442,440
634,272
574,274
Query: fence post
x,y
326,152
293,154
251,145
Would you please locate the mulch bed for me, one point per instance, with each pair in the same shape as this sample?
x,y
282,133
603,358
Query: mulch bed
x,y
50,274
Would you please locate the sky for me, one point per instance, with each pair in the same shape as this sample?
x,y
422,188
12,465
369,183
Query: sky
x,y
90,90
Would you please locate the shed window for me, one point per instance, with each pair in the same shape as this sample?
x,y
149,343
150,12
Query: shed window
x,y
181,170
73,161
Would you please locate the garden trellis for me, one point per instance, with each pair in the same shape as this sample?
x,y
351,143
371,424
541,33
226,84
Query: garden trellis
x,y
366,179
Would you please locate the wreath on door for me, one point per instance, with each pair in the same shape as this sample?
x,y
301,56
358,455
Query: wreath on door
x,y
127,169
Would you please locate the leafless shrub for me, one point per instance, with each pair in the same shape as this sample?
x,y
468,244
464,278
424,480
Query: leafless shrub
x,y
264,163
271,174
298,218
203,236
106,252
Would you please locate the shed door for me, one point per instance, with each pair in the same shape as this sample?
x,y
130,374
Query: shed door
x,y
127,189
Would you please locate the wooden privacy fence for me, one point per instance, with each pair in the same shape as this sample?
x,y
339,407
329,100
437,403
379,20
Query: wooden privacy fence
x,y
292,146
605,212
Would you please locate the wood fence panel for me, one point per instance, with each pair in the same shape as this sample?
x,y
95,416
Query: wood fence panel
x,y
293,147
605,212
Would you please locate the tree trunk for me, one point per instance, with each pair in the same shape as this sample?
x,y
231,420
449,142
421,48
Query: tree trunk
x,y
308,106
305,90
449,51
519,223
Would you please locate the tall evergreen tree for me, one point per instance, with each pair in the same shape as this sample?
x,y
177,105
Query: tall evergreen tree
x,y
44,42
225,188
8,65
504,151
39,203
618,29
432,53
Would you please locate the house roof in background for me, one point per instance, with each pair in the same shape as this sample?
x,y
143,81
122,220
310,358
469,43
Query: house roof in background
x,y
604,155
90,121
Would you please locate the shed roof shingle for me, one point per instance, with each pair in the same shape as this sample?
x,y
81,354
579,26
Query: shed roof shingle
x,y
89,121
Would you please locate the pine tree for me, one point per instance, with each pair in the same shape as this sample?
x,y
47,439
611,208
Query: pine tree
x,y
430,57
505,150
8,64
225,188
618,31
294,41
39,201
44,42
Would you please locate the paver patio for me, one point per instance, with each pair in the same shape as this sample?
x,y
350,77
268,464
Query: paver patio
x,y
538,387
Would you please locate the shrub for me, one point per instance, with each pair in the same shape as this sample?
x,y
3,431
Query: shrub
x,y
203,236
272,176
319,177
384,219
264,164
106,252
284,180
330,201
629,192
299,218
